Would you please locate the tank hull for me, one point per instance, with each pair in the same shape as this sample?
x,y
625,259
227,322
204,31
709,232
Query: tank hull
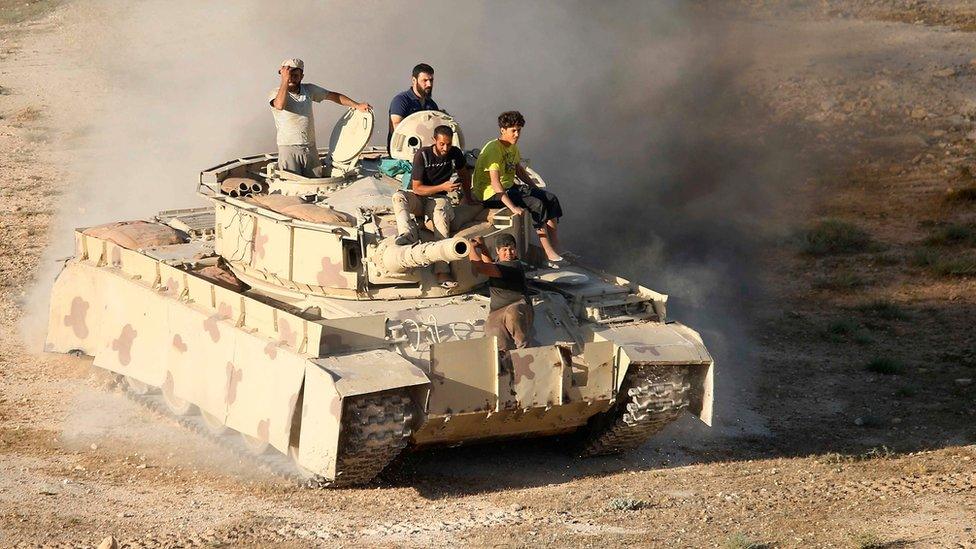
x,y
324,389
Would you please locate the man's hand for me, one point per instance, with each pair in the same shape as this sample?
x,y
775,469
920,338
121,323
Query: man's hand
x,y
517,210
285,75
363,107
449,186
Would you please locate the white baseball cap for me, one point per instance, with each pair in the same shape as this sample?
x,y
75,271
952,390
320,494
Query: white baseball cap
x,y
294,63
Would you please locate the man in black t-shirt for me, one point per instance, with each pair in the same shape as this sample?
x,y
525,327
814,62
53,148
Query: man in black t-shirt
x,y
510,311
430,185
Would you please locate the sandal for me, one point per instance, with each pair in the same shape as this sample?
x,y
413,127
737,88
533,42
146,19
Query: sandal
x,y
446,282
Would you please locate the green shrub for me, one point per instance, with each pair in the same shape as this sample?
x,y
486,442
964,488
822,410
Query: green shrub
x,y
885,366
956,234
905,392
867,540
832,236
844,281
883,309
741,541
627,504
965,194
945,264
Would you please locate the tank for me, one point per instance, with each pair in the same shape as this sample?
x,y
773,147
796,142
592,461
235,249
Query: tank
x,y
282,314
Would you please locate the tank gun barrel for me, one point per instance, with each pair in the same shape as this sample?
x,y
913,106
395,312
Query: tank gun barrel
x,y
399,259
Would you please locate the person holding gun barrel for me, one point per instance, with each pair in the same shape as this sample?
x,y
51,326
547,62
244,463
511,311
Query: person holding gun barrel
x,y
510,310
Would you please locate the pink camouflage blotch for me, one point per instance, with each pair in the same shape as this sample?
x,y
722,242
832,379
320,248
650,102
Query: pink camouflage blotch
x,y
260,239
123,344
523,367
264,430
178,343
331,274
234,376
76,319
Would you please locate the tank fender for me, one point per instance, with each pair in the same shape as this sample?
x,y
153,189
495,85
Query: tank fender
x,y
328,382
670,344
73,323
371,372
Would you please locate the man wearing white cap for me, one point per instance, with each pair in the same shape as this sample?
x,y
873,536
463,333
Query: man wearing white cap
x,y
291,105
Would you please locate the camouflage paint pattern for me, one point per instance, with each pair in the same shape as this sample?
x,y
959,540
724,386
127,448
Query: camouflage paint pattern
x,y
464,376
538,376
370,372
77,319
318,441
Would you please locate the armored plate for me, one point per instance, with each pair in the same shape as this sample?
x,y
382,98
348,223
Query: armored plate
x,y
350,135
417,130
568,277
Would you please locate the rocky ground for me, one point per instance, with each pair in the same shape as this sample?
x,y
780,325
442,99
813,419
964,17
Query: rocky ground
x,y
866,345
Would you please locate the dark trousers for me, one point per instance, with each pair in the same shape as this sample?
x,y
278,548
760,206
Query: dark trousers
x,y
542,204
512,325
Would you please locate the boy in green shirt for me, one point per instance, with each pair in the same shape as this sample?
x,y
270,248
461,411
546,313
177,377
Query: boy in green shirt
x,y
494,184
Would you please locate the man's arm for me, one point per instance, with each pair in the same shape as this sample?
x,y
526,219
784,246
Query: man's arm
x,y
464,176
282,98
395,120
481,261
344,100
496,185
420,189
524,175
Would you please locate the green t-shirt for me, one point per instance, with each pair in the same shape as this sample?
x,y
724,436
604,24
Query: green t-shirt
x,y
494,156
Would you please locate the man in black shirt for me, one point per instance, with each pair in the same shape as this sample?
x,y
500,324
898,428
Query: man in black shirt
x,y
510,312
428,197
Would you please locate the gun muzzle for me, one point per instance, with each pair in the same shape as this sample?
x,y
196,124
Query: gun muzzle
x,y
399,259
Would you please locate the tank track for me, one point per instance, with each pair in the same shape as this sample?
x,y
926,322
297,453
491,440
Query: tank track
x,y
655,396
376,430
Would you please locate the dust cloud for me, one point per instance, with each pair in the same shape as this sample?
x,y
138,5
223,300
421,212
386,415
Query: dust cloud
x,y
636,117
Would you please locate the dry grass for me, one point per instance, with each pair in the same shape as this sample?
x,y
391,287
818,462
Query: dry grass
x,y
841,282
845,329
945,263
18,11
832,236
962,234
883,309
742,541
627,504
26,114
835,458
885,366
867,540
965,194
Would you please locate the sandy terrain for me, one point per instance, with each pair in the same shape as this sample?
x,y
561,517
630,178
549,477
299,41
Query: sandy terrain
x,y
864,343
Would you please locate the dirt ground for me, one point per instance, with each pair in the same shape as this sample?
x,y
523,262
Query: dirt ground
x,y
866,349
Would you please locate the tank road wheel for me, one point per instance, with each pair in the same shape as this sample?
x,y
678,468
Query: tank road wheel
x,y
650,398
106,379
375,429
137,388
177,406
213,424
255,446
